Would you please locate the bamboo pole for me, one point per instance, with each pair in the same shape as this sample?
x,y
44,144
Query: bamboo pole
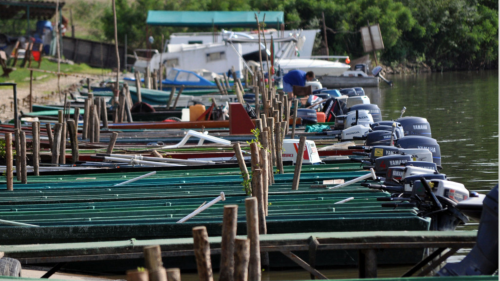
x,y
97,126
104,113
279,143
8,157
202,253
85,128
138,86
298,163
254,270
272,144
265,177
116,49
177,98
241,161
229,224
171,97
76,115
35,128
255,160
241,259
24,172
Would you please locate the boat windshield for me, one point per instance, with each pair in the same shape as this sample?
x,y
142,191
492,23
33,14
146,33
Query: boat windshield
x,y
171,74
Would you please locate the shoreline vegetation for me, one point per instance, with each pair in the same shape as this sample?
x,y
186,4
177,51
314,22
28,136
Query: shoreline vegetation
x,y
440,35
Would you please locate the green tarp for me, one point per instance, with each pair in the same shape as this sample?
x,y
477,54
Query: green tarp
x,y
213,18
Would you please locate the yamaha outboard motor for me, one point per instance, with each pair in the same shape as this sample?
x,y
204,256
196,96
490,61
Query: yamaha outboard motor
x,y
334,107
249,98
360,91
422,143
373,108
308,116
379,138
399,129
350,92
415,126
383,163
483,258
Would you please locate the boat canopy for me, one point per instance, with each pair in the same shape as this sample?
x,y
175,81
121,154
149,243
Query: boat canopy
x,y
213,18
246,40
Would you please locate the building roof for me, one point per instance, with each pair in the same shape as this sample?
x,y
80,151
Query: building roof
x,y
213,18
37,9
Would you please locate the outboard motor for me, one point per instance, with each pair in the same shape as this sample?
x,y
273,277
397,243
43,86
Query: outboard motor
x,y
308,116
372,108
398,130
379,138
423,164
358,117
249,98
334,107
312,100
415,126
383,163
421,142
360,91
483,258
361,67
350,92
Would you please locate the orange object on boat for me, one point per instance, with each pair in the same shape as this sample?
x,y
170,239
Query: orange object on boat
x,y
195,111
321,117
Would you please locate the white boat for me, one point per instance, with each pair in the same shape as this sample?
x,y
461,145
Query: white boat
x,y
319,67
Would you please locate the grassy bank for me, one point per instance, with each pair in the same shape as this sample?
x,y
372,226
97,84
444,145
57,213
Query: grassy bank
x,y
21,76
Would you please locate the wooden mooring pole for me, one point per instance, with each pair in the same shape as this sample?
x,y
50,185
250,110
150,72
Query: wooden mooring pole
x,y
241,259
35,127
8,157
202,253
229,224
254,269
154,264
298,163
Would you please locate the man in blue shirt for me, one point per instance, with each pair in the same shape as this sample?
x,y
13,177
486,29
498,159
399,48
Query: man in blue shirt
x,y
296,78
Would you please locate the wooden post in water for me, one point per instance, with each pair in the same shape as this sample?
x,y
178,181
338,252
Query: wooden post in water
x,y
229,223
241,161
8,158
257,101
173,274
97,126
177,98
241,259
171,97
287,114
60,116
154,264
76,115
278,143
202,253
35,128
255,160
62,153
219,86
73,137
295,107
298,163
18,153
56,143
112,142
258,189
272,144
254,270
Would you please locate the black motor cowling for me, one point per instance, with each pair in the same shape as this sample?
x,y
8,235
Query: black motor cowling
x,y
360,91
372,108
334,107
422,143
383,163
382,150
350,92
415,126
379,138
308,116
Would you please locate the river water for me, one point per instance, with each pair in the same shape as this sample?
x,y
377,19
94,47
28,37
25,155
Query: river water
x,y
462,108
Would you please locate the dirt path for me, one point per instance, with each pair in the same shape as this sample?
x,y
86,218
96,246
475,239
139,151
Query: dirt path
x,y
41,95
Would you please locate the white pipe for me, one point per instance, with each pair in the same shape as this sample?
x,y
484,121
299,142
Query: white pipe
x,y
192,133
182,161
135,161
343,201
15,223
365,177
199,210
136,179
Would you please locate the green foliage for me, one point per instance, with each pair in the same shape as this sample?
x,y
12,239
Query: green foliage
x,y
247,184
441,33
